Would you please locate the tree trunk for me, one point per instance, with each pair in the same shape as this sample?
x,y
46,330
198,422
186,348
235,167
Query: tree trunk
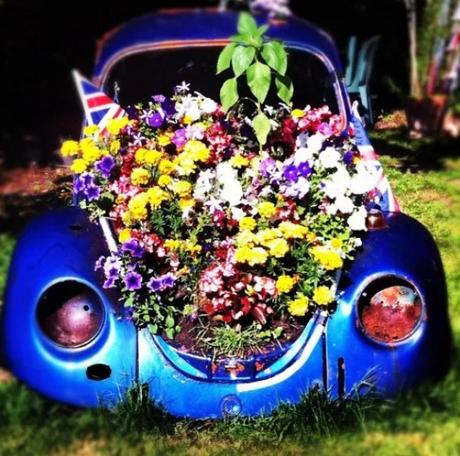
x,y
411,7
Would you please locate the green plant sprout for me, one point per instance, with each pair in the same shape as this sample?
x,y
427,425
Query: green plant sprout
x,y
262,61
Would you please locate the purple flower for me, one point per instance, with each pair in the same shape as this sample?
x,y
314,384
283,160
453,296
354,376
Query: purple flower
x,y
267,166
99,263
169,107
304,169
133,281
105,165
78,184
290,173
159,98
154,284
180,138
348,157
132,113
109,283
92,192
155,120
133,247
162,283
138,139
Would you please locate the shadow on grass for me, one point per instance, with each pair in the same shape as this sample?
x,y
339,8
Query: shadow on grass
x,y
415,155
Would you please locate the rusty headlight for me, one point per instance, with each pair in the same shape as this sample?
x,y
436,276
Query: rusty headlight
x,y
390,310
70,314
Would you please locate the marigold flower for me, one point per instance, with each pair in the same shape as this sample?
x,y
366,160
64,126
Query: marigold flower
x,y
284,284
90,130
156,196
166,167
245,238
115,147
164,140
186,203
138,207
293,230
140,155
70,148
264,237
299,307
172,244
79,166
153,157
182,188
258,256
278,248
140,176
266,209
328,259
336,243
298,113
243,254
247,223
196,150
164,180
323,295
124,235
114,126
238,161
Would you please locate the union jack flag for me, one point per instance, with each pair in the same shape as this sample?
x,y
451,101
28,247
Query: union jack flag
x,y
382,195
98,107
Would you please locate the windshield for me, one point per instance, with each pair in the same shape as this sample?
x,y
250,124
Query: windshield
x,y
137,77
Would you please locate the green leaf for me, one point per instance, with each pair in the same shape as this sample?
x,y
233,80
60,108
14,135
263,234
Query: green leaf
x,y
247,24
169,322
170,333
275,55
262,29
229,93
262,126
259,80
225,58
242,57
153,328
285,88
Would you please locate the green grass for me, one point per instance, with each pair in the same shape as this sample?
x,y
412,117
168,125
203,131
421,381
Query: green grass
x,y
426,177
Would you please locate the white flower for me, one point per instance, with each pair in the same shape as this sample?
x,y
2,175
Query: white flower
x,y
188,106
329,158
357,220
208,106
361,183
237,213
225,174
303,155
338,183
204,184
232,193
315,142
344,204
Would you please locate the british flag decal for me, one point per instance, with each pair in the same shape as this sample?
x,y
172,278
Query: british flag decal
x,y
98,107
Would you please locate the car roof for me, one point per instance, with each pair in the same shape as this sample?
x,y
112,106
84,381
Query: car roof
x,y
179,28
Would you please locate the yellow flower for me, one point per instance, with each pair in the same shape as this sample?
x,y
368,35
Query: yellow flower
x,y
197,150
166,167
243,254
298,113
115,147
186,166
323,295
336,243
164,180
140,176
91,154
245,238
172,244
153,157
90,130
328,259
182,188
156,196
191,247
247,223
258,256
124,235
299,307
285,283
114,126
79,165
293,230
164,140
266,209
264,237
186,203
278,248
187,120
238,161
127,219
140,155
138,207
69,148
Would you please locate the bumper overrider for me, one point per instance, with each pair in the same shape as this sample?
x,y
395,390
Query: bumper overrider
x,y
87,354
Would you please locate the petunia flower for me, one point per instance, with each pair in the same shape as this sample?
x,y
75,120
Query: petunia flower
x,y
133,281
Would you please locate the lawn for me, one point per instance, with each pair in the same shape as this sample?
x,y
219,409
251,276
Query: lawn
x,y
426,177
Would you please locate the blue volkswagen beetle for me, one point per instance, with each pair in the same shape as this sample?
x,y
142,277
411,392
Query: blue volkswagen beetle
x,y
65,336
